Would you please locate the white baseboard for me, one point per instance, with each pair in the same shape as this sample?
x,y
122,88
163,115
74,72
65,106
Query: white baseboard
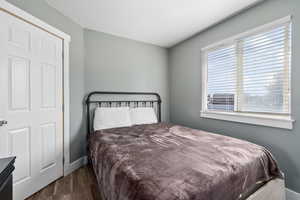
x,y
75,165
292,195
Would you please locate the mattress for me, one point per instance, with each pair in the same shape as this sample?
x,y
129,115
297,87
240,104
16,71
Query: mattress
x,y
167,162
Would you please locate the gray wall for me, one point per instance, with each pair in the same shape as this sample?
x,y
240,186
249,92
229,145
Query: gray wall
x,y
185,86
118,64
41,10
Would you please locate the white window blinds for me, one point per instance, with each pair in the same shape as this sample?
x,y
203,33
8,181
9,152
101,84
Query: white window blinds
x,y
222,78
251,73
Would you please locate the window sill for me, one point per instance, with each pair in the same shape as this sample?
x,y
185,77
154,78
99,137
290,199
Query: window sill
x,y
276,121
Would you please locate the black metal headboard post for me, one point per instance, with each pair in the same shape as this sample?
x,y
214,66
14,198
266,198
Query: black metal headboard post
x,y
89,101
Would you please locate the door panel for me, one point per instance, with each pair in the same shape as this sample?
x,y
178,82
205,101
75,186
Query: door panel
x,y
19,37
48,86
19,79
19,141
31,102
48,142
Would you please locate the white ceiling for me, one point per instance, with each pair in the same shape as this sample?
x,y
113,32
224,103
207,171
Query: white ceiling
x,y
160,22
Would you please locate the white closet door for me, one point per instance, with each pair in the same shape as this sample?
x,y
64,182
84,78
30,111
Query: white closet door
x,y
31,103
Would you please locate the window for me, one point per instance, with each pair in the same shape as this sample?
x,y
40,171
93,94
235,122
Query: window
x,y
248,76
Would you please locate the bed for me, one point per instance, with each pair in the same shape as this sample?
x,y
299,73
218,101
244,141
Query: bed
x,y
168,162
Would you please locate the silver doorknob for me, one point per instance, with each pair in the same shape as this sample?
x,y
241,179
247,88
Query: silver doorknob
x,y
3,122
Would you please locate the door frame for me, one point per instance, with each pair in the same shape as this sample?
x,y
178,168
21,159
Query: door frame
x,y
66,39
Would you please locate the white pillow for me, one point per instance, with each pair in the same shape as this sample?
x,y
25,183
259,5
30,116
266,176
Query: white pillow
x,y
111,117
143,115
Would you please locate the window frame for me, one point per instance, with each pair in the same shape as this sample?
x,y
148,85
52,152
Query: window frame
x,y
264,119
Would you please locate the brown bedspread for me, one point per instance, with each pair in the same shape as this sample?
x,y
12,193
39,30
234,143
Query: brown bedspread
x,y
168,162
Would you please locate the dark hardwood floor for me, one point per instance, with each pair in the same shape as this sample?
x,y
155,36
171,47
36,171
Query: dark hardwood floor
x,y
80,185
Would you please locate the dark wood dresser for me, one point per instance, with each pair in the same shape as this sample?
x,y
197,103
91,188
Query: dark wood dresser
x,y
6,169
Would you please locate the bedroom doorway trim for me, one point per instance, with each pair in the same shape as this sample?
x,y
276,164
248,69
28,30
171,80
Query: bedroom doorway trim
x,y
20,14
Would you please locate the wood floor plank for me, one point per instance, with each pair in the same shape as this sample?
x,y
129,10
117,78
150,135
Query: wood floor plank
x,y
79,185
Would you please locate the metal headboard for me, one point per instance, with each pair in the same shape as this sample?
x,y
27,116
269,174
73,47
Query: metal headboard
x,y
101,102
